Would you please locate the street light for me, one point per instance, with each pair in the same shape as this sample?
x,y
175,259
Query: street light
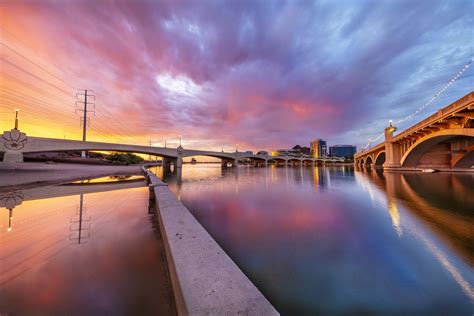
x,y
16,118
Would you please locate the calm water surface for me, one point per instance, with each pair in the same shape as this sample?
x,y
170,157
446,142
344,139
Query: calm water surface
x,y
315,241
334,241
54,263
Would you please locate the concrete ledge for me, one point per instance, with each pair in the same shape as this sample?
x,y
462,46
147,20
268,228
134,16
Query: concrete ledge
x,y
412,169
205,279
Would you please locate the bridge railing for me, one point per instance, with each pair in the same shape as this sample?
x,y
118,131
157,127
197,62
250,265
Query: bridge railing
x,y
450,109
369,150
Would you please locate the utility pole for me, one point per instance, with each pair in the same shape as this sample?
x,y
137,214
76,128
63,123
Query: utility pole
x,y
84,110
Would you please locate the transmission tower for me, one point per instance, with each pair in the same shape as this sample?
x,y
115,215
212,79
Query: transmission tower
x,y
81,106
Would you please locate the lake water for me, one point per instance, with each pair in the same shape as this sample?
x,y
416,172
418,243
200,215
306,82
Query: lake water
x,y
334,241
315,241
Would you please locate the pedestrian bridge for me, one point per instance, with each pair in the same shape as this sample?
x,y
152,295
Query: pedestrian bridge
x,y
444,141
14,144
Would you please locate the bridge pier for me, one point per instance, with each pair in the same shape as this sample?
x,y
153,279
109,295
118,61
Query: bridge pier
x,y
13,156
176,162
226,162
14,142
167,162
393,153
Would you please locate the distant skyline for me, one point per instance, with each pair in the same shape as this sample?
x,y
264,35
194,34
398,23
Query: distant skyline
x,y
260,74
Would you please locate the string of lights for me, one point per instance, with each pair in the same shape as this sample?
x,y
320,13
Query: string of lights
x,y
430,101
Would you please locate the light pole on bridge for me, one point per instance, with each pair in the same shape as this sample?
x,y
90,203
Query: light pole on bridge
x,y
16,118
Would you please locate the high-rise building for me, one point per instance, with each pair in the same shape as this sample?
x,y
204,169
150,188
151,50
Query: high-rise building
x,y
342,151
318,148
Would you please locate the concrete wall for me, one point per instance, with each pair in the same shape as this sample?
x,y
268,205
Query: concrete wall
x,y
205,279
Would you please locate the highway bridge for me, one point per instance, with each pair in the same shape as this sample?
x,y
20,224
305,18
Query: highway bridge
x,y
14,144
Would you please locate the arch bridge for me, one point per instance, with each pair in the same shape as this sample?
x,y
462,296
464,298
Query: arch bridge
x,y
444,141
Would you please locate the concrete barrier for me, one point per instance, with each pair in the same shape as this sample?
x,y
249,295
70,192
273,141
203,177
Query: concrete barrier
x,y
205,280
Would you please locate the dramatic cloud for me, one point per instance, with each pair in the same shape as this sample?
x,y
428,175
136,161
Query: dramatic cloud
x,y
262,74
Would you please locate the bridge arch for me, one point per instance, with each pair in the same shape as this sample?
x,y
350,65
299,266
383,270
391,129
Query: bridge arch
x,y
438,146
186,153
380,158
255,157
277,158
465,161
223,157
294,159
368,161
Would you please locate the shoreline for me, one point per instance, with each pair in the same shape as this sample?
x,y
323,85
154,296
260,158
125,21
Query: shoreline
x,y
17,176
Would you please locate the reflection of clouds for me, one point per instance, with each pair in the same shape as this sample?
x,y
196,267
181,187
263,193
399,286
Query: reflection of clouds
x,y
41,271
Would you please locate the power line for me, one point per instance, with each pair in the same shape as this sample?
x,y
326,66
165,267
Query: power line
x,y
109,121
35,76
30,100
30,86
39,66
120,129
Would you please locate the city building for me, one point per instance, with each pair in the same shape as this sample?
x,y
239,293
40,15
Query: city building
x,y
302,150
342,151
286,152
318,148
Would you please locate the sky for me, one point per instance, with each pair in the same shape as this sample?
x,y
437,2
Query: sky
x,y
257,74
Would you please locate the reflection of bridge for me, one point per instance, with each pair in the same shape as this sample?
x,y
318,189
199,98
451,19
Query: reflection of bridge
x,y
443,141
10,200
445,216
14,144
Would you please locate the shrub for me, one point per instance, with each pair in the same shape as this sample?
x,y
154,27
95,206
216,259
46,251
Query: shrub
x,y
124,158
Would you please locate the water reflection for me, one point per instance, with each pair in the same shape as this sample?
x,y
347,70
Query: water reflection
x,y
335,241
55,261
80,225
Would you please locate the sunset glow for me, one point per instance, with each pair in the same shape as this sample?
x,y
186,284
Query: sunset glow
x,y
263,76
